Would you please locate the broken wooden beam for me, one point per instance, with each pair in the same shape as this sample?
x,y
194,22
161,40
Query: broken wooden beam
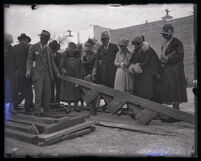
x,y
128,98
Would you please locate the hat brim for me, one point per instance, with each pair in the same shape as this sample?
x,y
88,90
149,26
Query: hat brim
x,y
42,35
167,33
27,37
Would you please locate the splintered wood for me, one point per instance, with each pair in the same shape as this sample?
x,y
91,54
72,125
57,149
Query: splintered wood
x,y
46,130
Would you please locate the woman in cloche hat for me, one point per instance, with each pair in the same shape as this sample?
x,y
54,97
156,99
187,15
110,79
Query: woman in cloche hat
x,y
123,80
173,81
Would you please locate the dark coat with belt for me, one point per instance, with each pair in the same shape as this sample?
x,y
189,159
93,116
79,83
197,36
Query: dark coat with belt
x,y
34,57
105,64
173,80
150,64
10,76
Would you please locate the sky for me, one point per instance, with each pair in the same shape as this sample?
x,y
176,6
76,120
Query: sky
x,y
57,19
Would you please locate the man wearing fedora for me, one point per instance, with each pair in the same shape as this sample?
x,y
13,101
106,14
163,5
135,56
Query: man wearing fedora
x,y
104,64
24,85
173,80
40,66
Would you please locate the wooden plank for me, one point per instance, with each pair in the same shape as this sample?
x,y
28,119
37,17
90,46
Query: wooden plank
x,y
90,96
145,116
136,109
48,137
180,115
133,128
20,127
19,135
115,105
32,118
63,124
70,136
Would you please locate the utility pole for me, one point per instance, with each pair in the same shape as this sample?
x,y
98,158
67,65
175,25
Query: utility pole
x,y
78,37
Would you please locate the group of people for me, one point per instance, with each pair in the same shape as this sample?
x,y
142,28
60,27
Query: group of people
x,y
140,72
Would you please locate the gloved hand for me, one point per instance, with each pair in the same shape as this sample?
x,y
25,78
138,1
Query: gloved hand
x,y
137,68
28,74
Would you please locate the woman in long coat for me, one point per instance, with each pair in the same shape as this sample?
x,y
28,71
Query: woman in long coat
x,y
71,65
173,80
145,63
123,79
10,70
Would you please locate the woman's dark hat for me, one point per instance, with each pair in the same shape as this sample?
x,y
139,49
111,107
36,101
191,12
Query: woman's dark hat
x,y
24,36
54,45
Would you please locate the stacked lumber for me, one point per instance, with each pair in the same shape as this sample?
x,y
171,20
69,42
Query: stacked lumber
x,y
47,129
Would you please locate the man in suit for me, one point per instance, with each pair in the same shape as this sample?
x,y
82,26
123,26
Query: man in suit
x,y
104,64
24,85
104,68
40,66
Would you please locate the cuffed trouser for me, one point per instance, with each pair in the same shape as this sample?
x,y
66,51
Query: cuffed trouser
x,y
42,88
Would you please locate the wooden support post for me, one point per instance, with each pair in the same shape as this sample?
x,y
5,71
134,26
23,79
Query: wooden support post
x,y
115,105
92,106
145,116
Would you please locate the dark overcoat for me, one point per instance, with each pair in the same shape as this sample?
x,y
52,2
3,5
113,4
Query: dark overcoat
x,y
10,76
150,64
173,80
74,68
105,64
21,53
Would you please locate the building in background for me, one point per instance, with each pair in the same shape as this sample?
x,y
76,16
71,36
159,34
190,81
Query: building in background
x,y
184,30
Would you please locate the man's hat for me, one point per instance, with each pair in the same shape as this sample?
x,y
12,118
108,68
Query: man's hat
x,y
90,41
45,34
123,42
54,45
167,29
72,46
24,36
105,34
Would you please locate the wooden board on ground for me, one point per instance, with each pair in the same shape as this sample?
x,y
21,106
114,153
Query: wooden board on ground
x,y
133,128
145,116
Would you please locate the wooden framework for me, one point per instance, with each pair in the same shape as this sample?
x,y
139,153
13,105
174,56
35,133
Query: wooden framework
x,y
145,110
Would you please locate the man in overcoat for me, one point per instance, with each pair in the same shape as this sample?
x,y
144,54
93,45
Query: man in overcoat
x,y
40,66
104,64
24,85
